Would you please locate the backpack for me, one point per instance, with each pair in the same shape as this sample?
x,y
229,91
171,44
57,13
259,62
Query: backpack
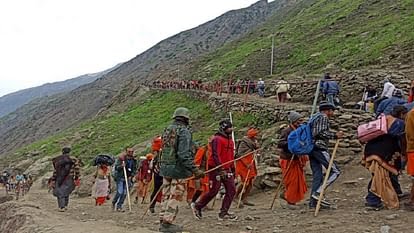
x,y
300,141
375,128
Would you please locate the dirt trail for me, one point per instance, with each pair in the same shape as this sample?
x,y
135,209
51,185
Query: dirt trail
x,y
348,192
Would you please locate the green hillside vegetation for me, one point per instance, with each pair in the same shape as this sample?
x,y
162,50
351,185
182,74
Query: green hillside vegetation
x,y
347,34
139,123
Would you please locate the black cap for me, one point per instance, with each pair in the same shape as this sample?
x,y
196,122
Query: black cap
x,y
326,106
225,124
66,150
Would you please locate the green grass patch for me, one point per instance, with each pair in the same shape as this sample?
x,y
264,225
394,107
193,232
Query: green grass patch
x,y
139,123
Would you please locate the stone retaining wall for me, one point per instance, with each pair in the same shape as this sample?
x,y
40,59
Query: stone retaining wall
x,y
276,115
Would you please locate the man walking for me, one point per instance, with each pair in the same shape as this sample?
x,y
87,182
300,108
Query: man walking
x,y
155,168
129,163
319,156
330,89
176,165
246,167
222,152
282,90
65,173
261,87
292,166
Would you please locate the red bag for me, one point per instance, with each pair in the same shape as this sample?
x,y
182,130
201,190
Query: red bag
x,y
373,129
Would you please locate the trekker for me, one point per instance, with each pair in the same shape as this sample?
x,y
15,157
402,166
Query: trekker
x,y
196,187
330,89
409,135
143,178
222,151
381,157
387,92
246,167
102,184
293,174
282,90
386,106
128,162
65,172
176,165
155,168
319,156
261,87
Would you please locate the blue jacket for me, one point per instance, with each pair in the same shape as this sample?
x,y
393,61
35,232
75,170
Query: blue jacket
x,y
330,87
386,106
409,106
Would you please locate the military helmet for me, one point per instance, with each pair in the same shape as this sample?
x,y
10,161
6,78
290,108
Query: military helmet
x,y
181,112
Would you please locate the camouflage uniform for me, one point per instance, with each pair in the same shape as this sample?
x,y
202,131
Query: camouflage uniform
x,y
176,164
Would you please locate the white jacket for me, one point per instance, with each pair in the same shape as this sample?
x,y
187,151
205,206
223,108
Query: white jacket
x,y
282,86
388,90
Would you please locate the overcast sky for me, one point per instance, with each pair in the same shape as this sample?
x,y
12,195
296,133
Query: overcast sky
x,y
52,40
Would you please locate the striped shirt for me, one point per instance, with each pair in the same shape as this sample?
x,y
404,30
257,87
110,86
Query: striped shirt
x,y
321,133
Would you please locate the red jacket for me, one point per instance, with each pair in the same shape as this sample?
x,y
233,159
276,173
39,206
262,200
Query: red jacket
x,y
222,151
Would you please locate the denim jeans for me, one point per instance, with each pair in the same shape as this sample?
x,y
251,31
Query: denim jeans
x,y
317,159
330,98
121,192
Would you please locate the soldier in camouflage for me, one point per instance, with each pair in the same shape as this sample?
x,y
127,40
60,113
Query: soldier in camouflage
x,y
176,164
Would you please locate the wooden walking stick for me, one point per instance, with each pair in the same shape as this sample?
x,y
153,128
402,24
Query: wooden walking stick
x,y
223,164
127,186
328,171
281,182
152,201
245,180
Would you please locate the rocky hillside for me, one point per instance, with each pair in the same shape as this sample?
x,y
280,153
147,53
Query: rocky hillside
x,y
10,102
48,116
315,35
310,36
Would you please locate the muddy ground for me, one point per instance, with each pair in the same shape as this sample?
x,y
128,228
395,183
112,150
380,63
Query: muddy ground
x,y
37,212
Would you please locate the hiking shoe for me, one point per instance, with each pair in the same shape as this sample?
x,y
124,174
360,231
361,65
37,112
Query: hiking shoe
x,y
113,206
315,196
120,210
376,207
196,212
170,228
61,209
227,216
409,206
313,203
152,210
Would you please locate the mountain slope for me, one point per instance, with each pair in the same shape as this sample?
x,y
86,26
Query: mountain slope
x,y
49,116
314,34
12,101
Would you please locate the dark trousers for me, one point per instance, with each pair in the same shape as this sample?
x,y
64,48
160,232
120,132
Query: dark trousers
x,y
374,200
63,202
229,186
395,183
317,159
157,186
